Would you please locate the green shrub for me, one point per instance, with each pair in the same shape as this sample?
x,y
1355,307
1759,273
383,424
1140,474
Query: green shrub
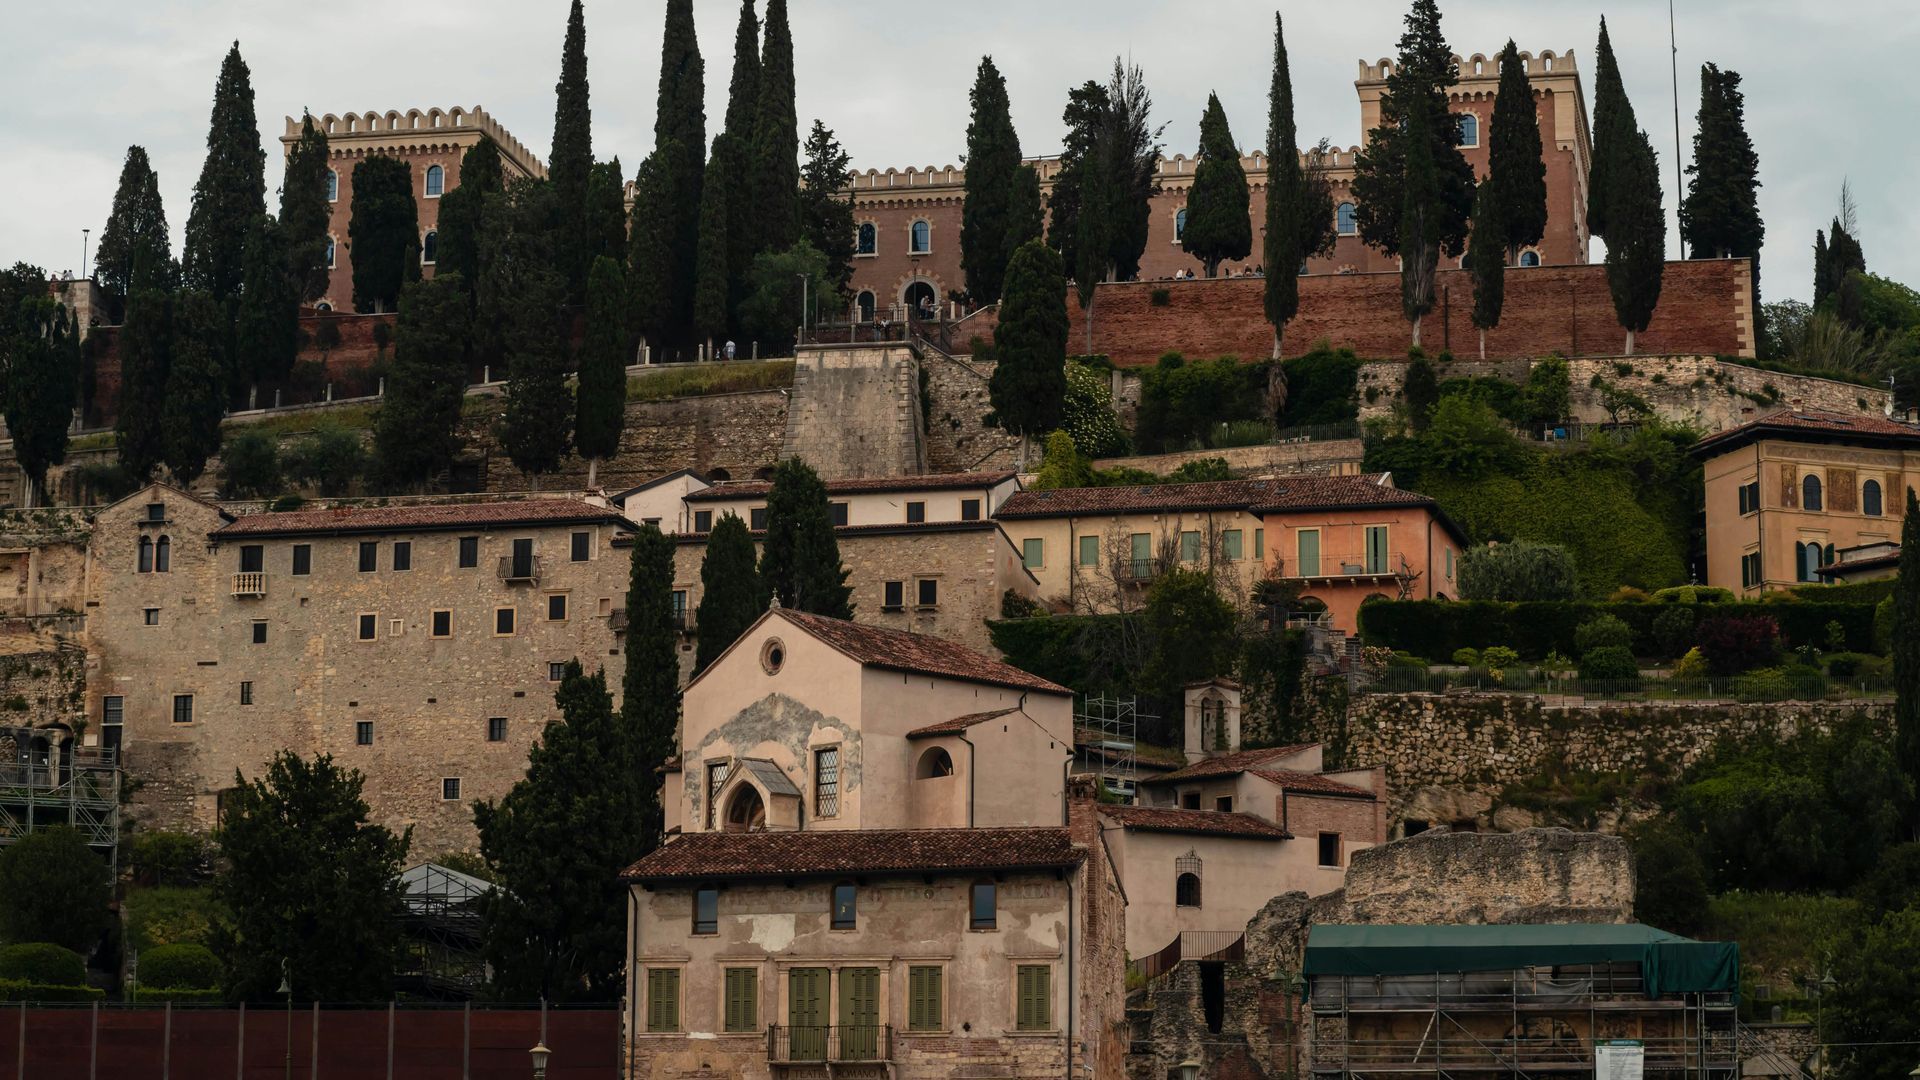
x,y
1087,413
1856,592
1627,594
1613,663
187,967
1467,657
169,916
250,466
1320,387
43,962
1691,665
1601,632
1763,684
22,990
1522,570
1499,657
1438,627
53,887
1180,401
163,857
179,995
1015,606
1883,626
1805,682
329,460
1673,630
1199,470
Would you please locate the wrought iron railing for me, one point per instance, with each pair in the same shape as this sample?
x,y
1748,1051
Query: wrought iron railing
x,y
1191,945
519,568
789,1043
1374,564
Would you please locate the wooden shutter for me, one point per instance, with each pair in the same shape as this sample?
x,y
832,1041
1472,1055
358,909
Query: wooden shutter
x,y
663,999
1035,1009
743,994
923,998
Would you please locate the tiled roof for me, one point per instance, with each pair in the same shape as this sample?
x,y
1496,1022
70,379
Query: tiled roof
x,y
1209,822
1258,496
1815,425
747,489
365,519
900,651
957,724
1312,783
850,851
1317,492
1229,764
892,528
770,776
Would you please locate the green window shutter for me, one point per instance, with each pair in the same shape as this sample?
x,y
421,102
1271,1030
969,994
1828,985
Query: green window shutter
x,y
663,999
1033,552
1035,1010
1189,547
1260,543
1089,551
923,998
1230,544
1309,541
743,999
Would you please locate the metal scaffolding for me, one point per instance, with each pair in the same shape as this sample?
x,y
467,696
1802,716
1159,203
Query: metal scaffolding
x,y
45,780
1109,739
445,924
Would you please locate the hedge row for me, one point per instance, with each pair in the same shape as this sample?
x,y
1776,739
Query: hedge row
x,y
157,995
22,990
1434,629
1855,592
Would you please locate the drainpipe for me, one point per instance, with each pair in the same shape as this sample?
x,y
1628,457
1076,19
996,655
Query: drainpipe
x,y
1072,967
1429,560
633,978
1759,519
971,749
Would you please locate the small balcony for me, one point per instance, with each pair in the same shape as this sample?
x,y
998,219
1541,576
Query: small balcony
x,y
1137,571
251,583
520,569
809,1044
1361,567
683,621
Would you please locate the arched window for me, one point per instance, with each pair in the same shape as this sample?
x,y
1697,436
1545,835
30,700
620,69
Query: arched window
x,y
436,181
1186,890
934,764
1344,221
323,306
745,812
163,556
1180,224
868,241
865,300
429,247
1870,498
922,238
333,186
1469,130
1810,493
329,252
1529,258
718,475
146,555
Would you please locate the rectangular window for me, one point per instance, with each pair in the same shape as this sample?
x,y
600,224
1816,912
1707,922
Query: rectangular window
x,y
1223,804
246,693
113,713
556,671
846,905
716,779
679,599
1329,849
1035,985
369,556
743,1000
1259,543
469,551
1089,551
663,999
1189,800
259,631
450,789
302,559
1750,497
557,607
1033,553
253,558
442,624
363,732
703,521
1308,563
757,519
916,513
1190,546
157,512
183,708
1449,552
826,782
150,616
893,596
503,622
706,910
983,906
403,554
839,512
969,511
1376,549
1139,556
369,627
926,593
581,548
1230,544
496,729
1750,569
925,1009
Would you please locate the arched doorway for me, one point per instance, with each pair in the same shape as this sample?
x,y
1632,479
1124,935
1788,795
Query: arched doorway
x,y
920,298
746,812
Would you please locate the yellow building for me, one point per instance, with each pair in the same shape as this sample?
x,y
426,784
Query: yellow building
x,y
1787,492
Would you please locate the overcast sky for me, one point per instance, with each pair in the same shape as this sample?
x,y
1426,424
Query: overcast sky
x,y
1829,91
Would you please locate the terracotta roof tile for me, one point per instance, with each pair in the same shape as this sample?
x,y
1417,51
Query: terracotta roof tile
x,y
900,651
1318,492
1208,822
365,519
747,489
1312,783
847,851
957,724
1814,424
1230,764
1258,496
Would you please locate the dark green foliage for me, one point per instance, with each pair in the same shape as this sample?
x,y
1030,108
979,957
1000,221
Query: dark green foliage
x,y
1320,387
305,212
1544,399
1720,215
1609,663
524,297
1487,259
462,212
44,962
1029,385
1027,215
800,561
672,206
1615,133
329,461
771,313
250,466
1733,645
1637,236
144,363
1086,412
266,328
53,888
570,164
196,387
384,232
138,220
732,595
1421,392
1181,401
232,189
159,858
1440,627
660,296
1132,149
1515,166
743,90
712,285
1080,197
1218,225
1521,570
776,138
1670,884
987,239
1871,1015
310,886
1299,207
557,924
1673,630
1062,465
1894,882
1415,110
416,433
39,377
1601,632
826,214
1906,653
743,98
605,220
183,967
1272,668
600,401
650,685
1193,628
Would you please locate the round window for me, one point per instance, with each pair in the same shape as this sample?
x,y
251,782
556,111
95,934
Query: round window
x,y
772,655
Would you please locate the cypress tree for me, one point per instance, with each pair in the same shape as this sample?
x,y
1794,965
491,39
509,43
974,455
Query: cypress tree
x,y
1218,227
39,374
138,218
1085,118
606,214
1028,388
1288,214
232,189
462,212
743,90
1421,221
266,329
1133,158
1515,165
1421,391
524,295
993,165
143,367
653,280
196,393
743,99
732,595
384,233
711,287
416,432
680,119
1026,212
1720,213
600,399
800,563
1382,171
1614,133
826,204
1906,658
776,138
1487,260
571,163
1637,237
305,212
650,693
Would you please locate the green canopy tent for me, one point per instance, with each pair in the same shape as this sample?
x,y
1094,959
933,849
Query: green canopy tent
x,y
1669,963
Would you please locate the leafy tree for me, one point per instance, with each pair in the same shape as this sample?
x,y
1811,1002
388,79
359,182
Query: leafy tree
x,y
1546,393
800,561
993,165
311,887
672,216
1906,656
1191,628
650,687
250,466
266,329
1086,412
1871,1014
1299,213
1101,194
462,213
1521,570
570,165
1029,383
712,288
1515,165
328,460
1637,236
525,296
1421,391
53,888
1836,258
1670,884
138,219
771,311
144,364
196,387
1218,225
416,432
39,374
732,595
1614,134
232,189
600,400
556,927
305,212
826,214
743,89
384,232
1062,465
658,292
776,137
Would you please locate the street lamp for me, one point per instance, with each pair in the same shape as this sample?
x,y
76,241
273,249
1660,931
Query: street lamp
x,y
286,987
803,306
539,1054
1189,1070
